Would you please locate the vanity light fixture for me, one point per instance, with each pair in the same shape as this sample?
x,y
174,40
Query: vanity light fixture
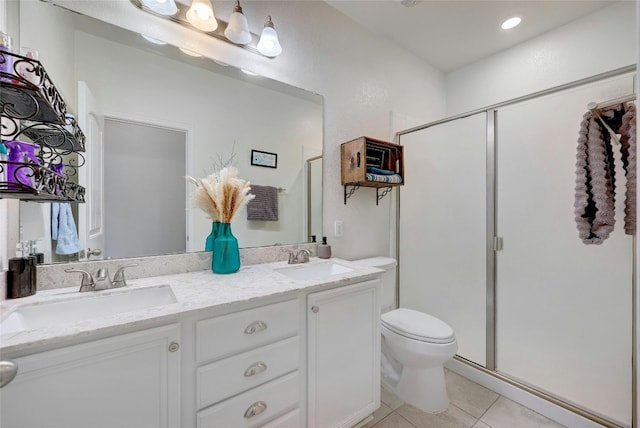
x,y
199,16
163,7
238,29
511,22
269,45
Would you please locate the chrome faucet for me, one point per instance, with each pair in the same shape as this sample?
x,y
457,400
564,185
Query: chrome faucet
x,y
101,280
302,256
119,279
87,283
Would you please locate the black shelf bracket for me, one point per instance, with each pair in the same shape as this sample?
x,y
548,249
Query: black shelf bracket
x,y
347,194
379,193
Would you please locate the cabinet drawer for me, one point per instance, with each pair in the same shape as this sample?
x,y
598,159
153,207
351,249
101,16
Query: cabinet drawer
x,y
290,420
255,407
224,378
240,331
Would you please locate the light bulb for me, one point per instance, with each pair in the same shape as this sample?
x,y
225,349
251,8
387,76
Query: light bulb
x,y
201,15
238,29
269,45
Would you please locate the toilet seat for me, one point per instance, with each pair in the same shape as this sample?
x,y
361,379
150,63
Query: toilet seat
x,y
418,326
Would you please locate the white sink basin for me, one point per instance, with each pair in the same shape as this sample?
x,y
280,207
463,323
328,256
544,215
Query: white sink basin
x,y
93,305
314,270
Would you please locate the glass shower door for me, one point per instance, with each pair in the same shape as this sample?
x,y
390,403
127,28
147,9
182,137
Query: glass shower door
x,y
443,229
563,308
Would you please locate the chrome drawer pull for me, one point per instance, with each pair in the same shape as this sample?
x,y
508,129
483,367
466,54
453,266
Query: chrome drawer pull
x,y
255,327
8,370
255,369
255,409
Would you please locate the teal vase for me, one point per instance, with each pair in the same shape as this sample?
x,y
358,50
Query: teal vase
x,y
226,255
208,246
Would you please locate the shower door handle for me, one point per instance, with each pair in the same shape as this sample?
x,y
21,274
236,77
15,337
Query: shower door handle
x,y
497,243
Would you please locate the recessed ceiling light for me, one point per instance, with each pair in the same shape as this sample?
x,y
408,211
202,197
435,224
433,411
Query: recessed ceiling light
x,y
511,22
190,53
153,40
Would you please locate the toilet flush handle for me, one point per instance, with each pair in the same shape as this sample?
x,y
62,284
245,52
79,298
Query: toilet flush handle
x,y
315,309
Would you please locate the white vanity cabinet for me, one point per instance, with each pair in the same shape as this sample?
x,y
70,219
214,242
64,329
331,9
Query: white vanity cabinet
x,y
131,380
343,354
249,366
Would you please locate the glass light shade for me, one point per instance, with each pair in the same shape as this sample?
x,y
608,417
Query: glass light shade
x,y
163,7
269,45
201,15
238,28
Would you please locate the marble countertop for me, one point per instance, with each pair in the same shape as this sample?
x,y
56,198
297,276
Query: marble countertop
x,y
194,292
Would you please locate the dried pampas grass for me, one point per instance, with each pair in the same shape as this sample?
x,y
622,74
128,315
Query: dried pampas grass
x,y
221,195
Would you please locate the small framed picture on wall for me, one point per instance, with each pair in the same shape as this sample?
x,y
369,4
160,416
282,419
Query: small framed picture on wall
x,y
266,159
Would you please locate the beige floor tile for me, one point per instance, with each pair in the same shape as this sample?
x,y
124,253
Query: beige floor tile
x,y
467,395
382,412
453,417
394,420
481,424
505,413
389,398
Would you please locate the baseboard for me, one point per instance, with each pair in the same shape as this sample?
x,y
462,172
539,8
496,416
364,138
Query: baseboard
x,y
512,392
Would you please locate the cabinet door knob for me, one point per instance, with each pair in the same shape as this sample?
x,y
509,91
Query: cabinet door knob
x,y
254,369
8,370
255,409
174,346
315,309
255,327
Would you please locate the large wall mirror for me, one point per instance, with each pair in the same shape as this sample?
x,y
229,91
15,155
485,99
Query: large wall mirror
x,y
167,115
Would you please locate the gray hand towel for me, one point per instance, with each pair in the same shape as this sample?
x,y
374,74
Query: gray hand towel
x,y
265,205
594,192
629,160
595,173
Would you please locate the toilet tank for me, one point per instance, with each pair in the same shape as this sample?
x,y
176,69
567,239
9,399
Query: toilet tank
x,y
388,278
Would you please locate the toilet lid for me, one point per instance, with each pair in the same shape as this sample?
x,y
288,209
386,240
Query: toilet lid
x,y
417,325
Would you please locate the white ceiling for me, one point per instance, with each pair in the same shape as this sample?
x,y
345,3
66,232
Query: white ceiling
x,y
450,34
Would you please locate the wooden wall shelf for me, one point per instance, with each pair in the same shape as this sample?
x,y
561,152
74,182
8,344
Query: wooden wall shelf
x,y
368,162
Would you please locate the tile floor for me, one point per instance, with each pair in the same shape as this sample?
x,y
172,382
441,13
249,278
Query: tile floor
x,y
471,405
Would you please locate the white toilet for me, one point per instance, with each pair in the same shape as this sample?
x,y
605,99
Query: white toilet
x,y
414,347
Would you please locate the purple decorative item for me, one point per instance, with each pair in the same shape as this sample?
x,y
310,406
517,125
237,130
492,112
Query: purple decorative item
x,y
6,61
23,152
58,168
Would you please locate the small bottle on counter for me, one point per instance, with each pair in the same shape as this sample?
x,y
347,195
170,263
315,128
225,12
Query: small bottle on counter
x,y
324,249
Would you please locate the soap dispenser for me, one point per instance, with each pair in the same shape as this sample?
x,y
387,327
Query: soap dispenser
x,y
324,249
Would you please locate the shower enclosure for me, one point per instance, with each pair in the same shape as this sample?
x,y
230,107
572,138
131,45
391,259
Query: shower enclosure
x,y
487,242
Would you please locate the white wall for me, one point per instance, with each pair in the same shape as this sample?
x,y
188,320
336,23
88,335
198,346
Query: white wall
x,y
599,42
361,77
